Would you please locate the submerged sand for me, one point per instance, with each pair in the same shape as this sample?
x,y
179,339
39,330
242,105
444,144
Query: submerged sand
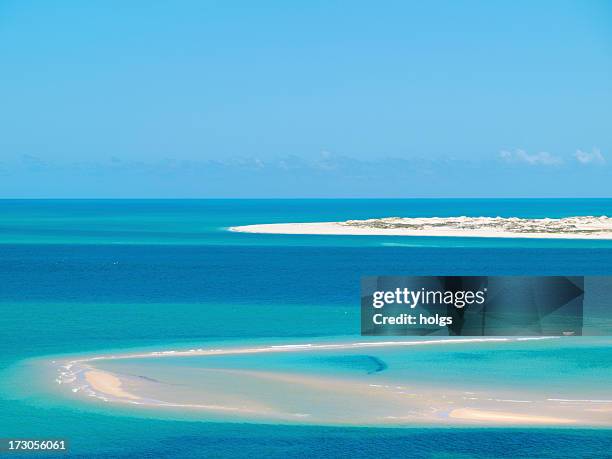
x,y
484,227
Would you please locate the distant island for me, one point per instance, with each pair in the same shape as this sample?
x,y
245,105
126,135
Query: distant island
x,y
582,227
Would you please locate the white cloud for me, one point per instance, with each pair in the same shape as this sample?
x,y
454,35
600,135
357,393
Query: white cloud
x,y
594,157
542,158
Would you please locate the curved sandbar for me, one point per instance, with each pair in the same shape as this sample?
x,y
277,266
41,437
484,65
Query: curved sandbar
x,y
540,228
295,393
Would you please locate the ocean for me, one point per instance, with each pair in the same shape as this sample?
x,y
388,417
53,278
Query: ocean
x,y
91,276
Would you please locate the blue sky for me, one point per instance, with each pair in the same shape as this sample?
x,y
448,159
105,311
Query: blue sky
x,y
305,99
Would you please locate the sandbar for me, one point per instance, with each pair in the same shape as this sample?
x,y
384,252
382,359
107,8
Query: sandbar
x,y
262,391
504,417
108,384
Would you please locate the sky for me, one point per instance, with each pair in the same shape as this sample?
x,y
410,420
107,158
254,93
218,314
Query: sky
x,y
305,99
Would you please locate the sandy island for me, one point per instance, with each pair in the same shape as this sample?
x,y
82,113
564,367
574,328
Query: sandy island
x,y
486,227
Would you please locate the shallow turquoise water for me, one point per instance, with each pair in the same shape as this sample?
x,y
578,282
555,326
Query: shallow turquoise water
x,y
580,365
87,276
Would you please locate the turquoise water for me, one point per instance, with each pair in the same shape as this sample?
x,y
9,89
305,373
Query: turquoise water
x,y
90,276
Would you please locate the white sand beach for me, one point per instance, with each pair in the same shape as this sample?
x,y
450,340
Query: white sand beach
x,y
483,227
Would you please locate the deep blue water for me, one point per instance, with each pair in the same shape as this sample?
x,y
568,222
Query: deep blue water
x,y
81,276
